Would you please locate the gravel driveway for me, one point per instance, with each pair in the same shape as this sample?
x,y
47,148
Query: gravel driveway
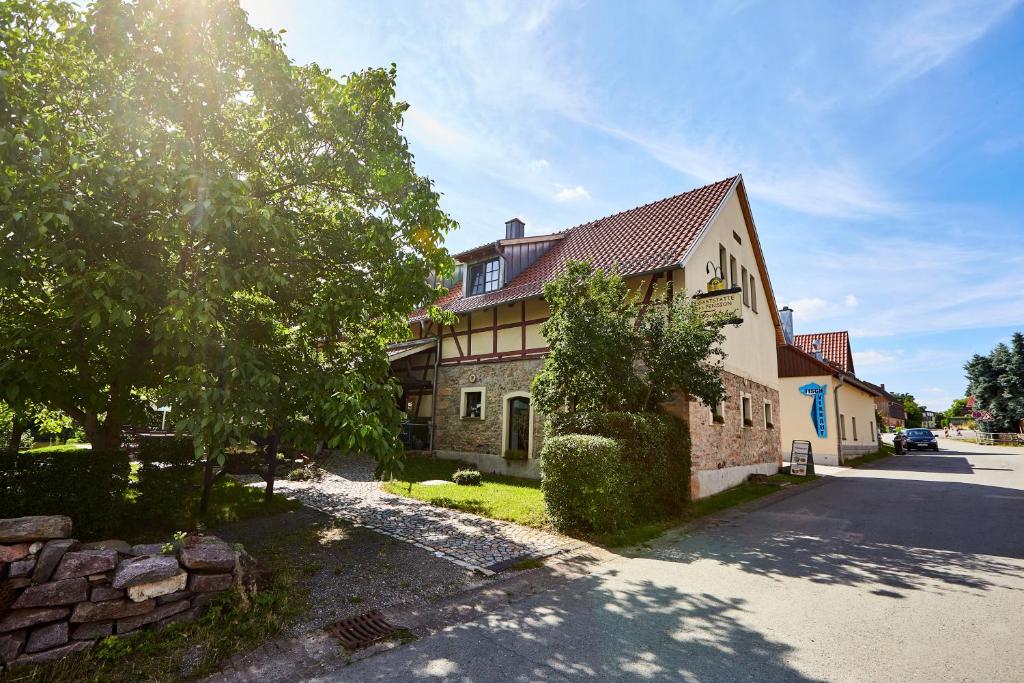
x,y
349,491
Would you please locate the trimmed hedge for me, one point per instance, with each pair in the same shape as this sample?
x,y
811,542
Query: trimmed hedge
x,y
583,478
654,456
87,485
167,483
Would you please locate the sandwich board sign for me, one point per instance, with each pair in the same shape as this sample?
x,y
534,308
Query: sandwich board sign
x,y
801,459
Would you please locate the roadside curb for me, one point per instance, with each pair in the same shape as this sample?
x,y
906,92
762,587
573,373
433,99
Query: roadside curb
x,y
690,528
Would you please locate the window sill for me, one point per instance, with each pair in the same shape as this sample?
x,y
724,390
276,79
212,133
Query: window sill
x,y
472,419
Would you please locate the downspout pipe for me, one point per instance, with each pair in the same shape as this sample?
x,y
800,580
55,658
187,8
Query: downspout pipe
x,y
839,424
433,389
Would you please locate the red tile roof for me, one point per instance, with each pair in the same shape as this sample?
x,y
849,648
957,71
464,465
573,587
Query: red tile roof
x,y
835,347
649,238
795,362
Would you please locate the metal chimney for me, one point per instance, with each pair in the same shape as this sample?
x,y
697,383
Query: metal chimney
x,y
514,228
786,316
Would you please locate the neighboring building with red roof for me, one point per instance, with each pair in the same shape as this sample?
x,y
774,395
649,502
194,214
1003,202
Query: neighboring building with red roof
x,y
468,384
890,409
833,346
826,405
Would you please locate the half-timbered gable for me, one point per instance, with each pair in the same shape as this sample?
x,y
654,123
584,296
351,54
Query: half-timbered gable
x,y
478,371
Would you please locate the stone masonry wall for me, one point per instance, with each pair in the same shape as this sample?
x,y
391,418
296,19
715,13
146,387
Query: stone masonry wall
x,y
718,447
457,437
59,596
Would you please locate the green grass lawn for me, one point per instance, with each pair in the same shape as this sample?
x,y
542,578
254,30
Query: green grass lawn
x,y
498,497
521,501
230,501
65,448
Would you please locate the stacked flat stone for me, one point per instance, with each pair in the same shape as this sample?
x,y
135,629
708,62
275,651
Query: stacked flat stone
x,y
59,596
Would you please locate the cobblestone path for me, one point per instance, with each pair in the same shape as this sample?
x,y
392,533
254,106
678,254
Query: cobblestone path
x,y
349,491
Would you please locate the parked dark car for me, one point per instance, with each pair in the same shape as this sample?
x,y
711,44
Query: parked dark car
x,y
920,439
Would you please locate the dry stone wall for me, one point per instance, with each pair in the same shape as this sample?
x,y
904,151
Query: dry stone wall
x,y
58,596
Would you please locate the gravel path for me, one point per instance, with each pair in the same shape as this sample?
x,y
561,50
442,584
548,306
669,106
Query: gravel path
x,y
349,570
348,491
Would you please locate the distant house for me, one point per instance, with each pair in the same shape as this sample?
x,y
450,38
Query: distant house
x,y
467,387
890,409
823,402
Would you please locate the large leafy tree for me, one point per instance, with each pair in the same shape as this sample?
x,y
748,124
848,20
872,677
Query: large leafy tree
x,y
996,381
609,353
915,413
166,168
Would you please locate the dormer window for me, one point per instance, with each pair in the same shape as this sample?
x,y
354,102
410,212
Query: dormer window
x,y
484,277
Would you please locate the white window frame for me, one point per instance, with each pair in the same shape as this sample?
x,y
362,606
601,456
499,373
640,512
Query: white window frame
x,y
483,402
732,271
720,414
746,409
743,280
753,294
769,411
504,420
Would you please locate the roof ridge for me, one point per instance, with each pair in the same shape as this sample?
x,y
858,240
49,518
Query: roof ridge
x,y
812,334
730,179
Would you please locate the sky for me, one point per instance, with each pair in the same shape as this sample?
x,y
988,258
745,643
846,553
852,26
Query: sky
x,y
882,144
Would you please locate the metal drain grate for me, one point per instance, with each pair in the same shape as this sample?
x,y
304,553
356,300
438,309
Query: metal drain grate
x,y
361,630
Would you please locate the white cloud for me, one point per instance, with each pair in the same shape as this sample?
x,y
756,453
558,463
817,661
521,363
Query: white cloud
x,y
915,42
809,309
851,301
872,358
572,194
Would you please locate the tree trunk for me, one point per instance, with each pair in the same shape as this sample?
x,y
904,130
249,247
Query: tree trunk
x,y
103,436
204,501
271,467
18,428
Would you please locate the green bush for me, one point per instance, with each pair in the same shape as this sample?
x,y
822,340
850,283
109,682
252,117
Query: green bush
x,y
167,485
585,483
244,462
466,477
655,458
87,485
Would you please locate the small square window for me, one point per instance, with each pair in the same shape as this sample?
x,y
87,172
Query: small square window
x,y
473,403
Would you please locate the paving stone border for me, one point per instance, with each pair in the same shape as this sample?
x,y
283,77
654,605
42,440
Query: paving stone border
x,y
59,596
349,491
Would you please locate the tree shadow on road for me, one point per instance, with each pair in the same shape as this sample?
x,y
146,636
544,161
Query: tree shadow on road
x,y
599,629
896,534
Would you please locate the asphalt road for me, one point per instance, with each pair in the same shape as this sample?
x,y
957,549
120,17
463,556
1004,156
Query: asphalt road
x,y
913,571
